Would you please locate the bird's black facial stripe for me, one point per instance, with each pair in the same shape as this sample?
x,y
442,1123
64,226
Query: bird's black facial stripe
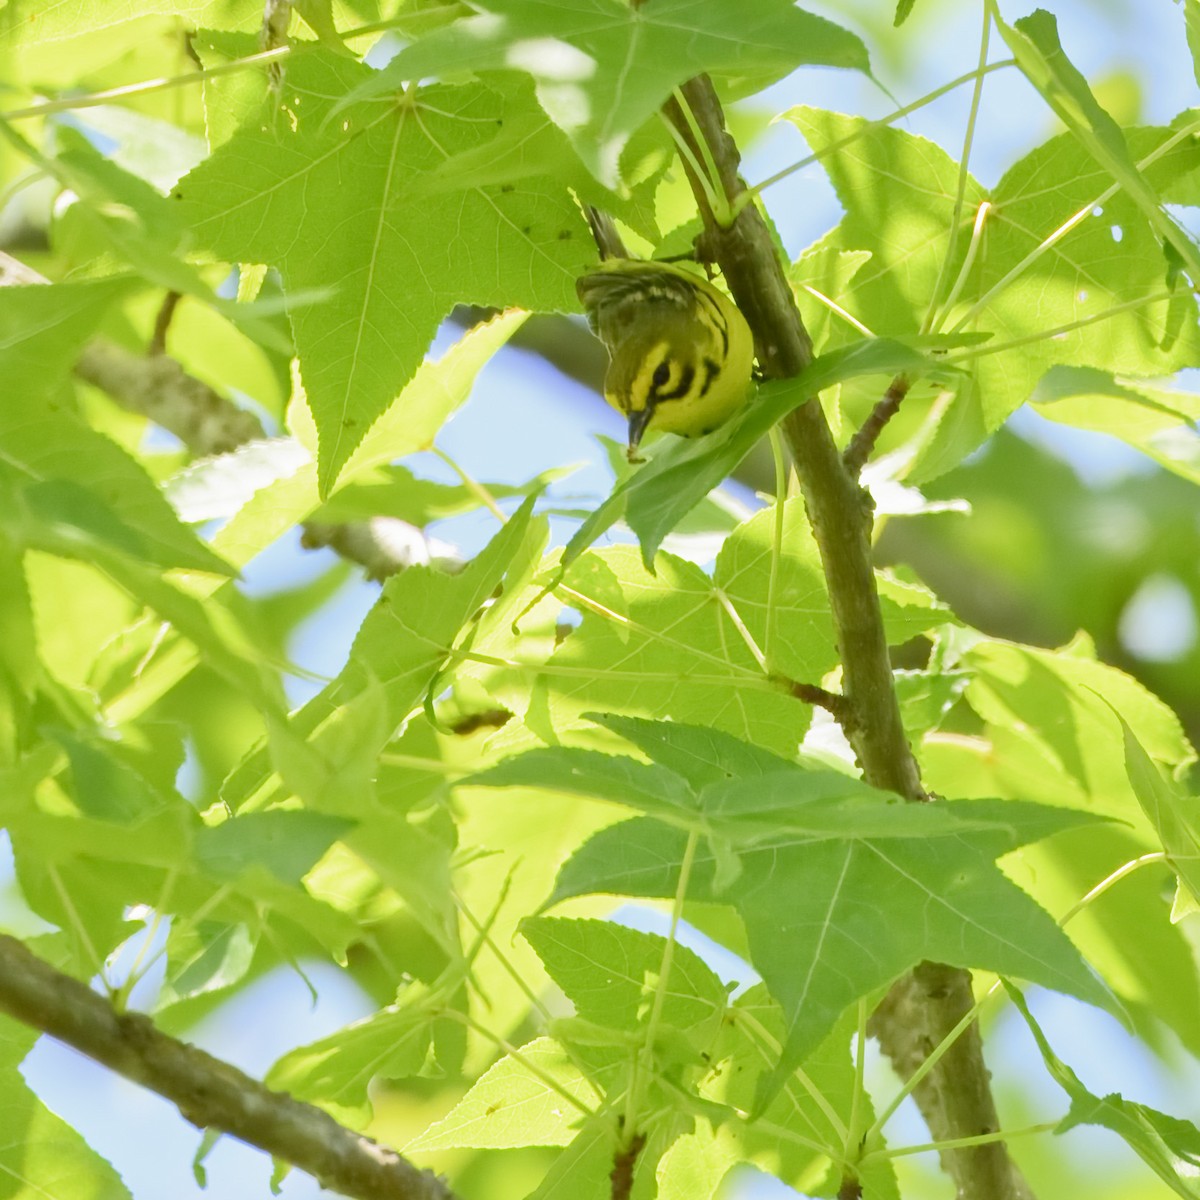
x,y
680,389
718,320
711,371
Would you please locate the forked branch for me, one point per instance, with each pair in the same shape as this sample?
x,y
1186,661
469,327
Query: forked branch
x,y
957,1101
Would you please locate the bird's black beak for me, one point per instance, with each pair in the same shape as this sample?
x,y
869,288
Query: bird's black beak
x,y
637,426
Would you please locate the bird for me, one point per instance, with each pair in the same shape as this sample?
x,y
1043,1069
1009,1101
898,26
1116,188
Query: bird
x,y
681,355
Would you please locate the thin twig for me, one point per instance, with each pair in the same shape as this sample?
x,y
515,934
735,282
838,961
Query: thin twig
x,y
863,442
162,322
837,706
624,1161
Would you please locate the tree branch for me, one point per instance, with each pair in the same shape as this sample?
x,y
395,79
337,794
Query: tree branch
x,y
157,387
209,1093
957,1101
863,442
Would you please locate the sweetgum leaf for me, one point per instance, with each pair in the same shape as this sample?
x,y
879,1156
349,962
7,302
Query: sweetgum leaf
x,y
609,972
1112,256
1055,718
603,68
819,944
76,481
511,1105
698,753
899,190
662,645
342,205
40,1154
396,1042
1174,815
1041,57
1168,1145
329,749
1160,422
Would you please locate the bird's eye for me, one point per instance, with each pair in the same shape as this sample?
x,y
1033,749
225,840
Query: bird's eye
x,y
662,373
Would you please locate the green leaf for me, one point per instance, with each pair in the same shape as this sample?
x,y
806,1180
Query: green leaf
x,y
288,844
329,748
903,11
610,972
611,777
823,273
1041,58
782,601
437,390
898,191
754,1026
59,21
1174,815
661,645
1159,422
394,1043
116,213
407,639
604,68
519,1101
817,946
75,481
697,1163
1056,735
341,200
1191,15
202,958
40,1154
776,797
1169,1146
698,753
105,787
43,328
1108,261
224,644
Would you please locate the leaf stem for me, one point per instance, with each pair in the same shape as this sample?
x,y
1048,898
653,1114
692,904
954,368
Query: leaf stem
x,y
473,486
76,923
776,538
762,1039
987,348
644,1061
735,619
1134,864
706,174
788,1135
1069,224
856,1096
502,1043
882,122
46,108
977,230
931,1061
943,279
982,1139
